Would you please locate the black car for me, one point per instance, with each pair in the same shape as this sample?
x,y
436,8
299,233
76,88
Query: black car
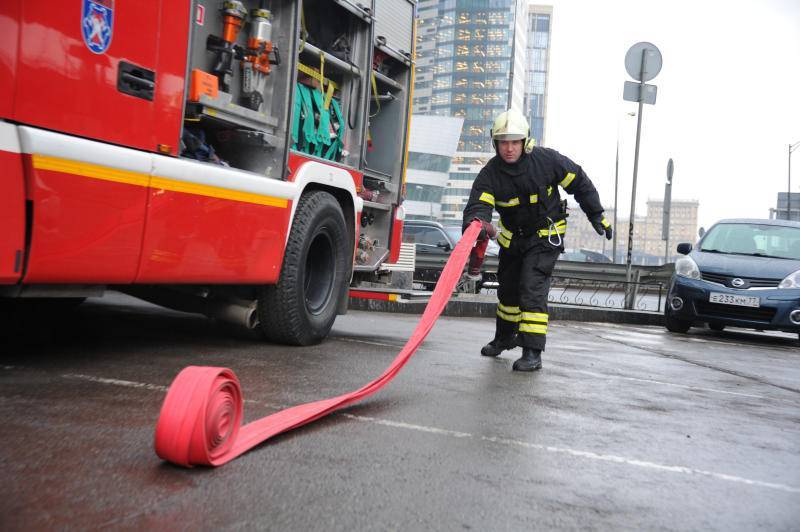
x,y
743,273
434,243
584,255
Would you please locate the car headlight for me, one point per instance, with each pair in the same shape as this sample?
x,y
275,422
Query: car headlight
x,y
791,281
687,267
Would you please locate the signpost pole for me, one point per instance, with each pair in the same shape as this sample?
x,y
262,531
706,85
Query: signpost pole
x,y
643,63
631,290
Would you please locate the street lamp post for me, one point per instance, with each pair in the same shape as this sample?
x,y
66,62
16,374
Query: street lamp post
x,y
792,147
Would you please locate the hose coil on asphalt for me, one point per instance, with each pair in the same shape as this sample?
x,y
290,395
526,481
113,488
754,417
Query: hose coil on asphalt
x,y
201,418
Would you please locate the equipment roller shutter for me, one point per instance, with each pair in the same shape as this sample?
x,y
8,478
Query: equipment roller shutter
x,y
393,21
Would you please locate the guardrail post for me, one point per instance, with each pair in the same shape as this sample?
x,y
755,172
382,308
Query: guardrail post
x,y
632,289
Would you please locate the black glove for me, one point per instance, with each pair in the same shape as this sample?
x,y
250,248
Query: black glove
x,y
602,226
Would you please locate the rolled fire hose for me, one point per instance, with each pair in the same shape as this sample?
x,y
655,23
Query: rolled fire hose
x,y
200,420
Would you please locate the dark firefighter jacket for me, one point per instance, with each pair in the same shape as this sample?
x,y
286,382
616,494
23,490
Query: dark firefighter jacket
x,y
526,194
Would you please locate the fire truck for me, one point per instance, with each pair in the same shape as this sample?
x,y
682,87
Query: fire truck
x,y
242,159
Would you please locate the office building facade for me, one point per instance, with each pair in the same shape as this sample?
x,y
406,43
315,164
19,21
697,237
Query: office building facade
x,y
470,65
682,227
537,55
648,245
784,206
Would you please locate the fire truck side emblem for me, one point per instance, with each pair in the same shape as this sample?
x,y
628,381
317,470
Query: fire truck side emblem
x,y
97,24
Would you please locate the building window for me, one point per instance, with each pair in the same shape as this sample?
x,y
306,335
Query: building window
x,y
498,35
543,23
539,82
428,161
428,193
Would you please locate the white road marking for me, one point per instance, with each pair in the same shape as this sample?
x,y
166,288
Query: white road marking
x,y
116,382
409,426
575,347
704,340
637,337
652,329
368,342
393,346
498,440
127,384
578,453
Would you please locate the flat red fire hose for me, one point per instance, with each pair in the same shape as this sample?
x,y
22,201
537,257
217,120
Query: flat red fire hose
x,y
200,421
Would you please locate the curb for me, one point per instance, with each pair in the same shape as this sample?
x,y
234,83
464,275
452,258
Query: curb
x,y
487,309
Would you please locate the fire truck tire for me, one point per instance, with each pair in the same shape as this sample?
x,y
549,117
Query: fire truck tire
x,y
301,307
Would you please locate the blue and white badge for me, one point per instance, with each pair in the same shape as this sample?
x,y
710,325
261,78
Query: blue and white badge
x,y
97,24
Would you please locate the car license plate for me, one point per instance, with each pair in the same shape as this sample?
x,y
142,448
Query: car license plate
x,y
730,299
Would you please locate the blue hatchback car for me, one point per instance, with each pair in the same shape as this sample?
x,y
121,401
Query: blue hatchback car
x,y
743,273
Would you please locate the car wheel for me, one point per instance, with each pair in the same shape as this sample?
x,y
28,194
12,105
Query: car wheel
x,y
716,327
674,324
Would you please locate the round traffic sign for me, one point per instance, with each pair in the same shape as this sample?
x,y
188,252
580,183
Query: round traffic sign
x,y
652,61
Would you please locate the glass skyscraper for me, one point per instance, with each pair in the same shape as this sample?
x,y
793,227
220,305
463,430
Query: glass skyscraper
x,y
470,64
538,65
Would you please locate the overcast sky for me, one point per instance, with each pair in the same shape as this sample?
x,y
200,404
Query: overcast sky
x,y
728,100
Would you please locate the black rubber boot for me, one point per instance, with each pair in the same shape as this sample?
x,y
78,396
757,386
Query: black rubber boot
x,y
531,360
495,347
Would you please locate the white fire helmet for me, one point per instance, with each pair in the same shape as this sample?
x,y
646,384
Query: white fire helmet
x,y
511,125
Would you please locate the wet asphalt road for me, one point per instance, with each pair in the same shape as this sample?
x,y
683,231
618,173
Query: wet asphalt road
x,y
626,428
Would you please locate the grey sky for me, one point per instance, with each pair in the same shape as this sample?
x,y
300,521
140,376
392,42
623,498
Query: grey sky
x,y
728,99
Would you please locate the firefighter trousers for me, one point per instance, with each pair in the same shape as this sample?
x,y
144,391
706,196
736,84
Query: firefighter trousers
x,y
524,279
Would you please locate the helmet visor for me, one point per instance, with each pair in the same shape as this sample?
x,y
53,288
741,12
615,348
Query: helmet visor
x,y
509,136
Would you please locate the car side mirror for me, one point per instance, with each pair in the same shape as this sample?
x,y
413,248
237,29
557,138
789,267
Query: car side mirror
x,y
684,248
443,244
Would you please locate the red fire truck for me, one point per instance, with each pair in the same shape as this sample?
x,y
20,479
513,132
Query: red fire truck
x,y
243,159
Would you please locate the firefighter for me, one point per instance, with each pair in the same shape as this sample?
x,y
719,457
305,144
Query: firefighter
x,y
522,183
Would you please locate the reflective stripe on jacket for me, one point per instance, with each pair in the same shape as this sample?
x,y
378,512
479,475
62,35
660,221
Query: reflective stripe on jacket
x,y
530,203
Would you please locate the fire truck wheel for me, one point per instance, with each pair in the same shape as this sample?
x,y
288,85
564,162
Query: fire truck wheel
x,y
301,308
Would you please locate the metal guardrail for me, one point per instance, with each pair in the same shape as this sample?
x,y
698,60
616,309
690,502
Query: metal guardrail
x,y
568,268
590,284
643,296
